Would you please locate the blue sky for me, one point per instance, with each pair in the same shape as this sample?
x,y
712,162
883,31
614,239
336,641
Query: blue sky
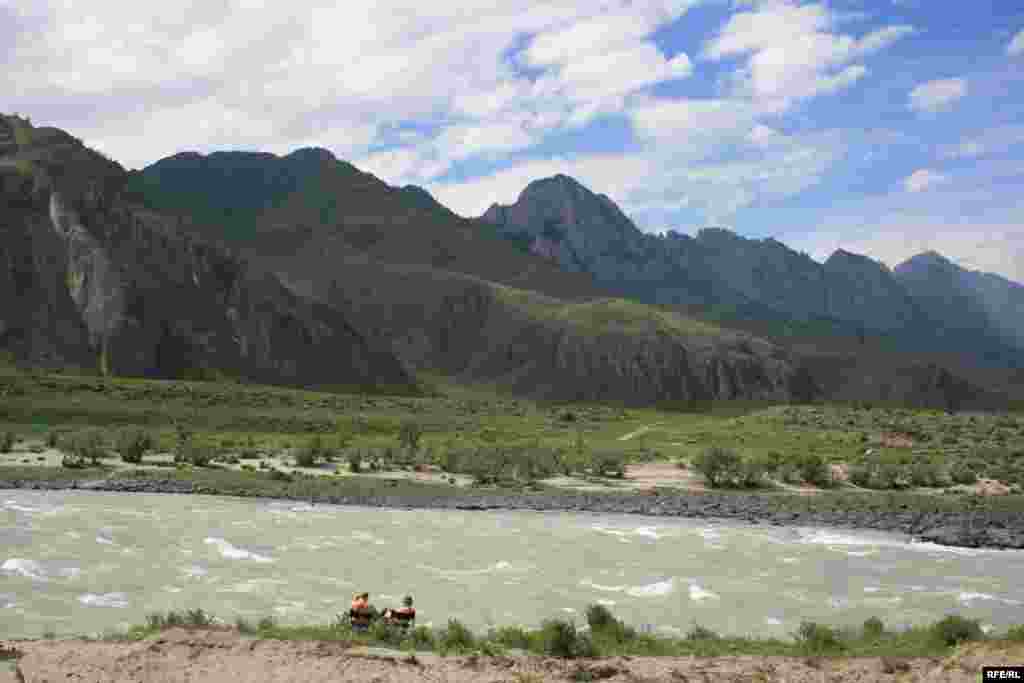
x,y
884,127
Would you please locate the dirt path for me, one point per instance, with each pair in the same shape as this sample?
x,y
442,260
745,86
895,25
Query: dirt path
x,y
214,656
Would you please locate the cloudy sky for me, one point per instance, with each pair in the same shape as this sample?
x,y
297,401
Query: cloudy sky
x,y
884,127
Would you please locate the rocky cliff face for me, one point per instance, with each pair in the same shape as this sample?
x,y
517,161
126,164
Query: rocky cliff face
x,y
100,281
536,346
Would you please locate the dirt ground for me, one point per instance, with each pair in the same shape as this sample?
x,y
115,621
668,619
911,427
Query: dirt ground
x,y
216,655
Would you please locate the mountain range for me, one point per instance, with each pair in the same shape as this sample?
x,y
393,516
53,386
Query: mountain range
x,y
301,269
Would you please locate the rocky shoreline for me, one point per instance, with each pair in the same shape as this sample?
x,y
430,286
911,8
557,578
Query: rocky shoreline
x,y
1003,529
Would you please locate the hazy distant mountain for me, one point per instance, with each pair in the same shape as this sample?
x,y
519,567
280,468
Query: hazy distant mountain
x,y
965,299
559,218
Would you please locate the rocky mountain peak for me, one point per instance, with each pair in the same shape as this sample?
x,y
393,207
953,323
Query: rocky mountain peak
x,y
926,260
312,154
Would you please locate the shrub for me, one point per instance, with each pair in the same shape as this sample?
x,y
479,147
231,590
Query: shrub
x,y
817,637
720,466
245,626
1015,633
608,463
559,638
512,637
87,445
192,453
873,628
279,475
355,461
7,442
384,633
450,460
753,471
456,638
599,616
698,632
963,473
409,435
955,629
266,624
929,474
309,456
132,444
423,638
814,470
198,617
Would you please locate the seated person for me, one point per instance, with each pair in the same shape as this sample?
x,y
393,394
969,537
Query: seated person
x,y
361,613
404,616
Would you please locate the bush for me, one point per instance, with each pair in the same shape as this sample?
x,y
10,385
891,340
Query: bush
x,y
309,456
753,471
598,617
814,470
450,460
192,453
559,638
817,637
245,626
355,461
698,632
955,629
87,445
873,628
384,633
609,464
929,474
279,475
7,442
409,435
963,473
422,638
720,466
512,637
456,638
132,444
1015,633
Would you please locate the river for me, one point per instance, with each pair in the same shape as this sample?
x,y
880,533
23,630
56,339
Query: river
x,y
75,562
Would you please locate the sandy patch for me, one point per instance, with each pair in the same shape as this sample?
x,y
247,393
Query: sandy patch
x,y
208,656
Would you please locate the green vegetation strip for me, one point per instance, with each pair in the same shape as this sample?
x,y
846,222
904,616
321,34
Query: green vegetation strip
x,y
604,636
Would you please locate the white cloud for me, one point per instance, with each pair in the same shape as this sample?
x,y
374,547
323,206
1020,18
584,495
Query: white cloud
x,y
921,179
992,141
305,70
989,247
793,52
1016,46
937,95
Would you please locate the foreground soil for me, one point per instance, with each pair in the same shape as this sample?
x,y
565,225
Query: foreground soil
x,y
216,655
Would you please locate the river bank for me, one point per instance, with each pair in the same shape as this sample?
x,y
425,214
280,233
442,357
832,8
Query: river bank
x,y
976,524
213,655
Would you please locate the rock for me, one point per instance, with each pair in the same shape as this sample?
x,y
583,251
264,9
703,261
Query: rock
x,y
92,279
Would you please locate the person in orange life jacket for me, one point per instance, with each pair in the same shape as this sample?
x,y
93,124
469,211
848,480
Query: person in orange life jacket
x,y
361,614
404,616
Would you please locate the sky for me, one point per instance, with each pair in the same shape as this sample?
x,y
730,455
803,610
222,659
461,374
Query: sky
x,y
883,127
